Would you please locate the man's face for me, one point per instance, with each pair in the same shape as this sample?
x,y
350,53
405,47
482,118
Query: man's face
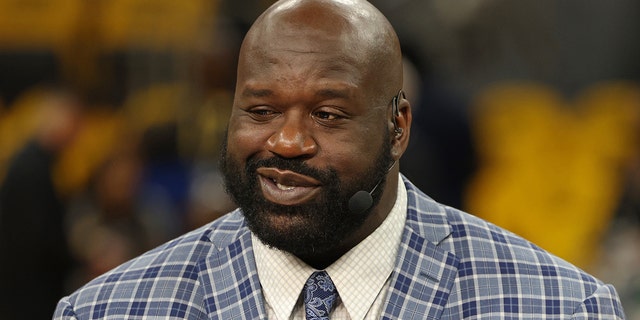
x,y
303,137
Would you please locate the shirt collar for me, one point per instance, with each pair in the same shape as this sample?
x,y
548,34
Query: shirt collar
x,y
359,275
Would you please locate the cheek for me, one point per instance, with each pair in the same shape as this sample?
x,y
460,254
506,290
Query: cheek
x,y
244,141
349,155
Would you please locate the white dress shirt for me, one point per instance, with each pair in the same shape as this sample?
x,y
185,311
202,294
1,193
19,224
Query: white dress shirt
x,y
361,276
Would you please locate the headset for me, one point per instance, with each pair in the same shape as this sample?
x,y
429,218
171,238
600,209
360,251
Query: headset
x,y
396,112
362,200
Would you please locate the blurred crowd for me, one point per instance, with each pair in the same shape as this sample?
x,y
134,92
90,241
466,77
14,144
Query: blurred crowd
x,y
526,113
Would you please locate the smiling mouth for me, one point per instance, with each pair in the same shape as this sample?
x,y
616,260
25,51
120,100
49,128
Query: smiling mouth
x,y
287,187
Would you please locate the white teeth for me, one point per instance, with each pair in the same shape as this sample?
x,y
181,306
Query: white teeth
x,y
283,187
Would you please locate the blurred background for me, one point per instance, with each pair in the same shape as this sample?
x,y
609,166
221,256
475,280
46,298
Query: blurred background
x,y
526,113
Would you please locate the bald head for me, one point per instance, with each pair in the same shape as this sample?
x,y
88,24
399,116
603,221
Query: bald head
x,y
349,31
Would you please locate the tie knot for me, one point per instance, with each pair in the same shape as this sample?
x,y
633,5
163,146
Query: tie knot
x,y
320,295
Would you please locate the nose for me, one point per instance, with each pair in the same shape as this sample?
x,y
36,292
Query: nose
x,y
292,140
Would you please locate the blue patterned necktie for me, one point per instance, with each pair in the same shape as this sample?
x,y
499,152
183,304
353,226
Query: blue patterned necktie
x,y
319,296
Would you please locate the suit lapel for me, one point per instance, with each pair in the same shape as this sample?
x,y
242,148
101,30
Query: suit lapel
x,y
421,281
230,280
424,273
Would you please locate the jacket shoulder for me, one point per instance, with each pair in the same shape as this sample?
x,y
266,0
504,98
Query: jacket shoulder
x,y
167,275
497,268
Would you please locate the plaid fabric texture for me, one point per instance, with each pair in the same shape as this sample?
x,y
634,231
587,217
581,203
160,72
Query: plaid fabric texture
x,y
451,265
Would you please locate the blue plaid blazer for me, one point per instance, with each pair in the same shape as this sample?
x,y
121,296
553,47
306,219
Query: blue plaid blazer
x,y
450,265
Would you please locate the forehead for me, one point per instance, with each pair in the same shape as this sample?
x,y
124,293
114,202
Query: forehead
x,y
289,64
316,76
301,57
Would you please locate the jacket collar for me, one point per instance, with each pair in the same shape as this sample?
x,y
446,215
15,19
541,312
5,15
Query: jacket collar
x,y
229,275
425,272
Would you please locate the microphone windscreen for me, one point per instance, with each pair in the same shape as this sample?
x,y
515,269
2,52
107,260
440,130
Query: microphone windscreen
x,y
360,202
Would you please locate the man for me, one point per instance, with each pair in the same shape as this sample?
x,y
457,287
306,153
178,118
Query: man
x,y
34,254
318,125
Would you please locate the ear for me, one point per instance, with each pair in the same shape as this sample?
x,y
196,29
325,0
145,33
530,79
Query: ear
x,y
401,129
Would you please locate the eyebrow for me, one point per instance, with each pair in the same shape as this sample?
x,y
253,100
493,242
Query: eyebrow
x,y
323,93
258,93
334,93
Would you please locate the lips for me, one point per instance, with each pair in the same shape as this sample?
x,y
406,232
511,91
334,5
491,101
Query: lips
x,y
287,187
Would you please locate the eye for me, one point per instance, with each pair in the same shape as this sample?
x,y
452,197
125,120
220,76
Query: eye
x,y
324,115
329,116
262,113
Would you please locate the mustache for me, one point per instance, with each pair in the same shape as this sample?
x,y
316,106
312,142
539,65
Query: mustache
x,y
295,165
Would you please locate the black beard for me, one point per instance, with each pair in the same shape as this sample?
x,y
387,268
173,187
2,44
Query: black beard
x,y
320,225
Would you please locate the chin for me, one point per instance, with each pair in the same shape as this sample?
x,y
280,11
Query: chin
x,y
292,233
